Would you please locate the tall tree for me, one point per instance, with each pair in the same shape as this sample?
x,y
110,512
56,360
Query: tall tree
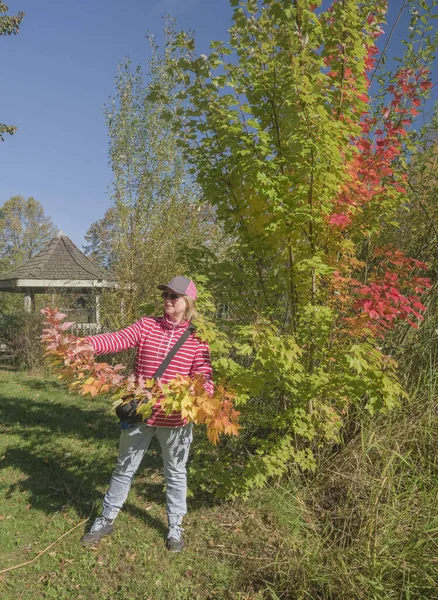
x,y
99,238
305,172
24,230
154,215
8,26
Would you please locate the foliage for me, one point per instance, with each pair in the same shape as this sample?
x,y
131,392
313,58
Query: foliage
x,y
57,453
143,236
73,358
416,234
365,526
19,333
189,397
304,172
8,26
99,237
24,230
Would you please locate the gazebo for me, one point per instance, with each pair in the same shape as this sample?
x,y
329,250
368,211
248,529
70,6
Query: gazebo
x,y
59,266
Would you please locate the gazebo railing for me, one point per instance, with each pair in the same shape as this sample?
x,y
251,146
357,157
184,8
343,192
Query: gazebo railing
x,y
82,329
84,321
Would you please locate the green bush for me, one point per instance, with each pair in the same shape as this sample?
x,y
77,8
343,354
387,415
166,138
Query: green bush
x,y
20,335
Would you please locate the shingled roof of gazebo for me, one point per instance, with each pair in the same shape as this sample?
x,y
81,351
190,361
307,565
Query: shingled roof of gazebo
x,y
59,264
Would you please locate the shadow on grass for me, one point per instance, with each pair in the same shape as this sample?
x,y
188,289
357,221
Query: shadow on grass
x,y
51,486
44,385
145,516
66,455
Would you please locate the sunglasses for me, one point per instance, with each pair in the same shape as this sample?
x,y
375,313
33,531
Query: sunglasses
x,y
170,296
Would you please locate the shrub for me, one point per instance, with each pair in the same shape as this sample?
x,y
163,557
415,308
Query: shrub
x,y
20,334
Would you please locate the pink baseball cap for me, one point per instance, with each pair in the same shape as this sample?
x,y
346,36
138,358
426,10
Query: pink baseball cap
x,y
181,285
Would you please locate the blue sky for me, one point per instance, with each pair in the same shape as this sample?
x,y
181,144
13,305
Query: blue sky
x,y
57,74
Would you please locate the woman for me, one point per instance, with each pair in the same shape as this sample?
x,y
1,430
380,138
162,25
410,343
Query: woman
x,y
154,337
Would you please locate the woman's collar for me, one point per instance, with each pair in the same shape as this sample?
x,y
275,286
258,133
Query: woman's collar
x,y
168,324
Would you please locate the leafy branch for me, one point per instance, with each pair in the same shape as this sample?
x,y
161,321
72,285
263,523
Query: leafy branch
x,y
73,359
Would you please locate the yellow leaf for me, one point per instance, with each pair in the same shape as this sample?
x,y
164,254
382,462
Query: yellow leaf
x,y
186,401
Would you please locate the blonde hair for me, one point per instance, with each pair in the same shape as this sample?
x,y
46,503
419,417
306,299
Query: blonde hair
x,y
190,312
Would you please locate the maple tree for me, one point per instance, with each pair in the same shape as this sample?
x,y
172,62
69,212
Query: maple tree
x,y
73,359
305,165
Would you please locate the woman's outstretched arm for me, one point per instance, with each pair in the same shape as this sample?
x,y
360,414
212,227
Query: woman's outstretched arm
x,y
110,343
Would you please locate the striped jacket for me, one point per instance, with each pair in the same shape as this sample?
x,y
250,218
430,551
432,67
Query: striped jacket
x,y
154,337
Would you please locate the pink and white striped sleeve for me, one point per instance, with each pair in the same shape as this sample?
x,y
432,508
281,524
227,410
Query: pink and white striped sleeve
x,y
202,364
109,343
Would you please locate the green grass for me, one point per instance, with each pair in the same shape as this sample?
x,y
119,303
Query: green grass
x,y
365,527
57,452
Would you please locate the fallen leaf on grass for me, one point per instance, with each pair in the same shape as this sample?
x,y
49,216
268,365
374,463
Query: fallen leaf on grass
x,y
65,561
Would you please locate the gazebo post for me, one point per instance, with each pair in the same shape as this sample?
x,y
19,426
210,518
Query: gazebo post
x,y
29,301
97,298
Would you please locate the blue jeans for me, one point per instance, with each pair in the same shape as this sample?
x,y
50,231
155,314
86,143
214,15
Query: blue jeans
x,y
134,441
